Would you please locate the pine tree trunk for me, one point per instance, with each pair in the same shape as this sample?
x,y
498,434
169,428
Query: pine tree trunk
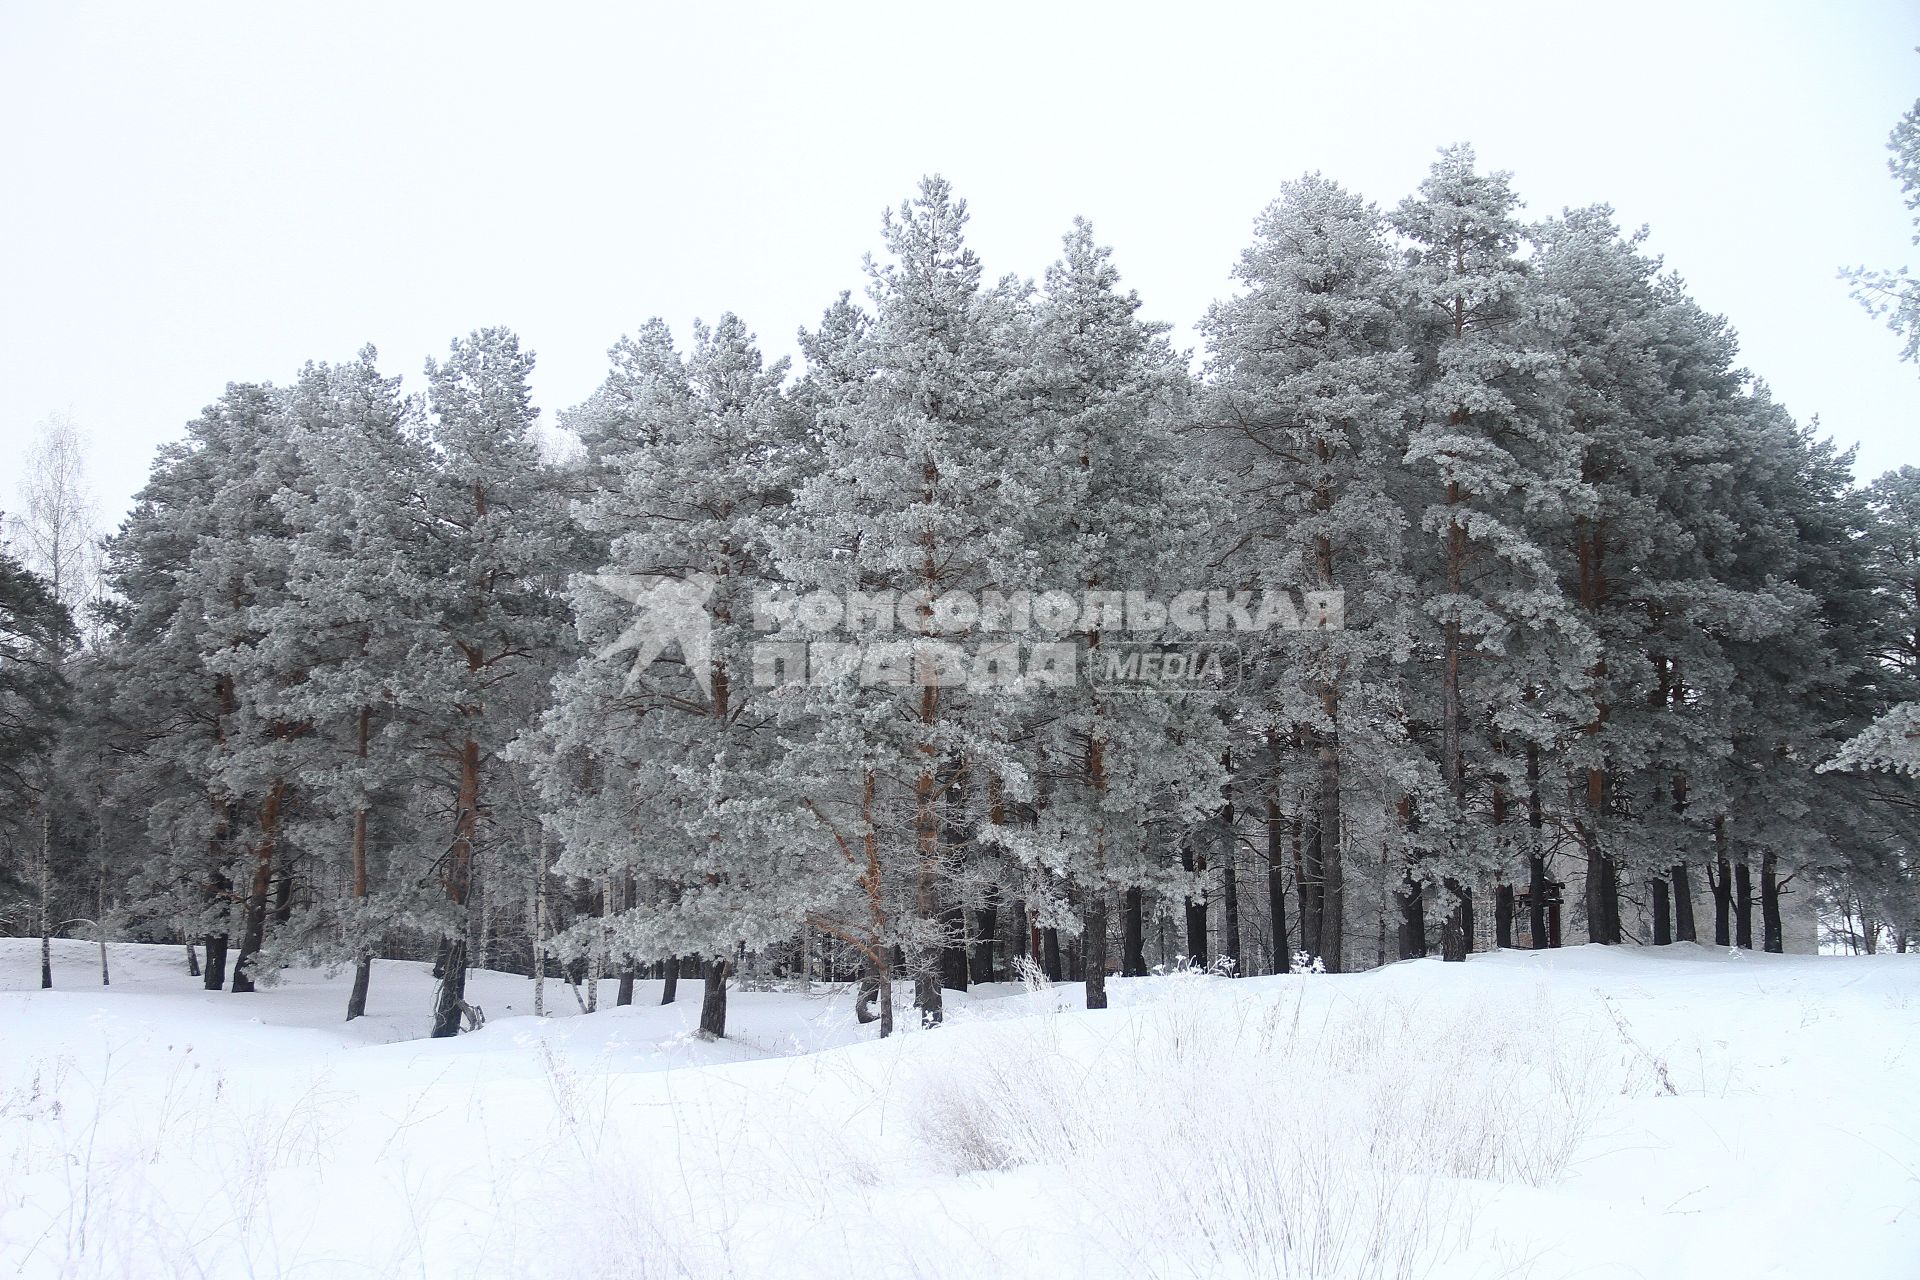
x,y
255,930
1093,915
875,998
955,967
623,995
1742,906
213,974
193,960
452,990
1133,942
1229,895
713,1000
100,891
1453,761
46,890
363,959
1454,932
1610,897
539,913
1503,916
1599,870
926,825
1771,938
1050,952
1537,889
1662,925
1722,885
1413,920
1683,927
1196,908
1277,885
670,985
219,892
1331,947
987,923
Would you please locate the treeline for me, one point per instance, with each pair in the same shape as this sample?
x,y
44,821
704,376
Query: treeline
x,y
369,676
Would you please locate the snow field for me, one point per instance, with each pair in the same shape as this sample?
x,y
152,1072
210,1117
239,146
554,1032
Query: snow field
x,y
1593,1112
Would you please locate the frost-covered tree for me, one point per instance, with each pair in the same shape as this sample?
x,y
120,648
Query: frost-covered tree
x,y
203,548
1118,508
923,489
1494,456
1310,396
358,530
657,757
36,631
498,544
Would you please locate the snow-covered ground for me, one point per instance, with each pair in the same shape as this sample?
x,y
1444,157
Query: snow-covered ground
x,y
1587,1113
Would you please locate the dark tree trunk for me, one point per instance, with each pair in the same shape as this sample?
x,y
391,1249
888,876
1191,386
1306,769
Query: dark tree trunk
x,y
362,978
1721,885
1311,883
450,997
624,993
1742,906
987,922
357,868
1662,924
1600,886
1229,894
1050,954
1196,908
1455,930
1133,942
1610,896
713,1000
1094,917
1770,936
670,985
1330,946
1536,856
955,972
255,931
874,998
213,974
1277,887
1683,928
1537,901
1413,920
1503,916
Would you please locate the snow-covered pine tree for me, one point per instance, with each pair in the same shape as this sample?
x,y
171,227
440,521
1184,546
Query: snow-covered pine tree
x,y
203,547
658,764
1117,507
499,544
1495,456
1310,390
359,529
36,632
924,488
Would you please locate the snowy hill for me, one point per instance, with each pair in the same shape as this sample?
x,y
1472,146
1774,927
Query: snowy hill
x,y
1591,1112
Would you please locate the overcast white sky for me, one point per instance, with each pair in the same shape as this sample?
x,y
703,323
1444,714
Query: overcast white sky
x,y
200,194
